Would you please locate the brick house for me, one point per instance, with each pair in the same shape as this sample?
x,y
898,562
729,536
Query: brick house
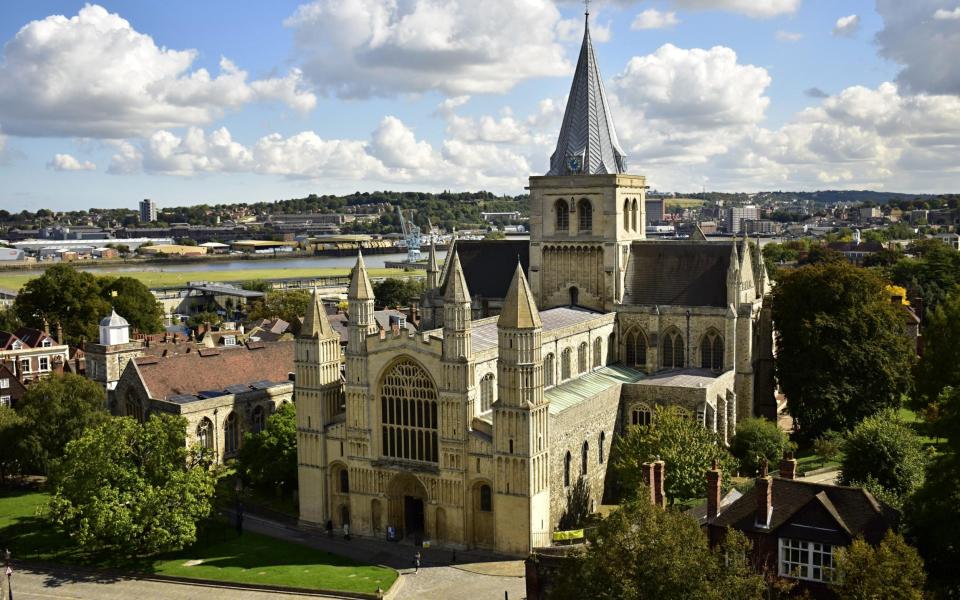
x,y
11,389
30,354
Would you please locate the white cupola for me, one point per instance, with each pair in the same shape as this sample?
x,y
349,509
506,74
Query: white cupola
x,y
114,330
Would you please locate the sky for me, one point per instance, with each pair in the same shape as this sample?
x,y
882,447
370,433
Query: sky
x,y
190,102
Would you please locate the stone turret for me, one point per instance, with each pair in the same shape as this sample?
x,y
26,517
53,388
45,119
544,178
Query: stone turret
x,y
433,270
456,314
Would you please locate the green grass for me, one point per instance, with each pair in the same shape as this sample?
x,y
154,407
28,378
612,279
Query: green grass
x,y
219,554
170,277
808,460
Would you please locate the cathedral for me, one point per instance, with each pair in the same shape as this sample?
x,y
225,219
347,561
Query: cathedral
x,y
532,358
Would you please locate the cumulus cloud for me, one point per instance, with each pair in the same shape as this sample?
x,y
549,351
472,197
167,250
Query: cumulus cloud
x,y
654,19
925,47
846,26
66,162
93,75
373,48
942,14
788,36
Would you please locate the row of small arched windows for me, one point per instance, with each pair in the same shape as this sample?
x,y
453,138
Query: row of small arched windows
x,y
584,215
232,432
585,457
566,358
630,215
672,354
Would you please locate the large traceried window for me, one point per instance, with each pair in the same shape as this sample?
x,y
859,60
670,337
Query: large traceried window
x,y
641,415
584,216
486,392
806,560
671,350
563,216
711,351
549,370
565,364
408,413
231,431
582,358
636,349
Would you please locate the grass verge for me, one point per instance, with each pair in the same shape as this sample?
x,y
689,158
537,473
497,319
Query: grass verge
x,y
219,554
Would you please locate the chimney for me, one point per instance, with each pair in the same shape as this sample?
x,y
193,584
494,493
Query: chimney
x,y
646,469
788,466
59,333
713,492
659,473
764,487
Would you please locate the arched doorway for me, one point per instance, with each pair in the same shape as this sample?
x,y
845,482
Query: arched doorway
x,y
406,505
574,296
481,511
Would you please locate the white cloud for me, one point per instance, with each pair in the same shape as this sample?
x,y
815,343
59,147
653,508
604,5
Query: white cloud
x,y
374,48
654,19
788,36
397,147
93,75
947,15
65,162
926,47
847,26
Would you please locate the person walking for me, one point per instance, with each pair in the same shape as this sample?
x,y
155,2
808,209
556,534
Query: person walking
x,y
416,562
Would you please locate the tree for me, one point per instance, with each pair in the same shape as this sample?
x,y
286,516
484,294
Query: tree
x,y
132,488
289,305
687,448
885,449
866,572
940,365
641,551
57,410
66,296
397,292
756,439
134,302
12,430
578,506
828,446
843,353
268,459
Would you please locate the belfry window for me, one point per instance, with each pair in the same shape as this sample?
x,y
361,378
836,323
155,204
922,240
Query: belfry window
x,y
549,370
486,392
563,216
408,413
584,216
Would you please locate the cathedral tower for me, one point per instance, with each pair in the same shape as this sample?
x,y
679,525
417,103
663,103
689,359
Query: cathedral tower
x,y
586,210
521,422
360,324
318,398
457,391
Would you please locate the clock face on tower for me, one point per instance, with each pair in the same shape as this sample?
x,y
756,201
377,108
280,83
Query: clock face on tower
x,y
574,164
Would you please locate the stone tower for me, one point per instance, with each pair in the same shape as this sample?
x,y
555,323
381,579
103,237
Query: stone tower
x,y
521,434
586,210
360,324
106,360
318,398
457,391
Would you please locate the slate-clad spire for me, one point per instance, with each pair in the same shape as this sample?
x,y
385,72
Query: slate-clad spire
x,y
359,288
315,323
519,307
456,289
588,141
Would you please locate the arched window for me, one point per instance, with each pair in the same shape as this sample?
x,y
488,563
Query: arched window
x,y
584,216
582,358
549,370
584,453
486,498
603,440
565,364
633,216
711,351
636,349
486,392
672,350
574,296
563,216
132,408
231,431
408,413
344,481
257,421
626,214
566,469
205,433
641,415
597,350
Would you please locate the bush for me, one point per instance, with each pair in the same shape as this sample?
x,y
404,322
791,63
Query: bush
x,y
758,438
887,450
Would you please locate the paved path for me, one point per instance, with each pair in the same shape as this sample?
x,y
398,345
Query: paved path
x,y
830,477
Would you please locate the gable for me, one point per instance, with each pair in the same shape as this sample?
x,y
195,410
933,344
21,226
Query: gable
x,y
815,522
677,273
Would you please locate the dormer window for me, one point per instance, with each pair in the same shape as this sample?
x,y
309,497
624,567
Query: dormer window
x,y
46,343
17,345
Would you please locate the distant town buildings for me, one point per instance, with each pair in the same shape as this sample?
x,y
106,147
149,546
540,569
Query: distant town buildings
x,y
735,216
148,211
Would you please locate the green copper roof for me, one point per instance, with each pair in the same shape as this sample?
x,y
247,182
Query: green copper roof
x,y
575,391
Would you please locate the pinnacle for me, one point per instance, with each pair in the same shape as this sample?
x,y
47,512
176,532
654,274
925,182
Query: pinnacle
x,y
519,307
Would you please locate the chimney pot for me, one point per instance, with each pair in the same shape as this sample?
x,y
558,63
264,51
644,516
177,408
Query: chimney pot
x,y
648,479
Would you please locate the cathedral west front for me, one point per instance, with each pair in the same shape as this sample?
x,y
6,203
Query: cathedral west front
x,y
530,360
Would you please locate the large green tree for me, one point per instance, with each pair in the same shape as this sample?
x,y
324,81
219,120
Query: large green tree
x,y
63,295
133,301
57,410
394,292
687,448
756,439
939,366
842,350
883,449
891,571
268,459
289,305
641,551
132,488
12,430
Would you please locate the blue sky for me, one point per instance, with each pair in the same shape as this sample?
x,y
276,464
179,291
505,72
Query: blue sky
x,y
116,101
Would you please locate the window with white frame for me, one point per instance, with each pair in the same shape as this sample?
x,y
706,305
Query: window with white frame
x,y
5,401
46,343
806,560
25,365
4,383
44,363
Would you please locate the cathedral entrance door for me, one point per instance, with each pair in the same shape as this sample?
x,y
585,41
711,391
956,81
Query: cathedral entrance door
x,y
406,502
413,516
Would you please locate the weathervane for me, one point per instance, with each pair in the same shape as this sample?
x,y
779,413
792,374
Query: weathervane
x,y
586,7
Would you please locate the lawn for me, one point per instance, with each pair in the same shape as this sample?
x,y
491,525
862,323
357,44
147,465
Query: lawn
x,y
171,277
220,554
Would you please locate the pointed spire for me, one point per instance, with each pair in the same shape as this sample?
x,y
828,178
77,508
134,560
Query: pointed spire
x,y
588,142
433,270
359,288
446,264
315,323
456,289
519,307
